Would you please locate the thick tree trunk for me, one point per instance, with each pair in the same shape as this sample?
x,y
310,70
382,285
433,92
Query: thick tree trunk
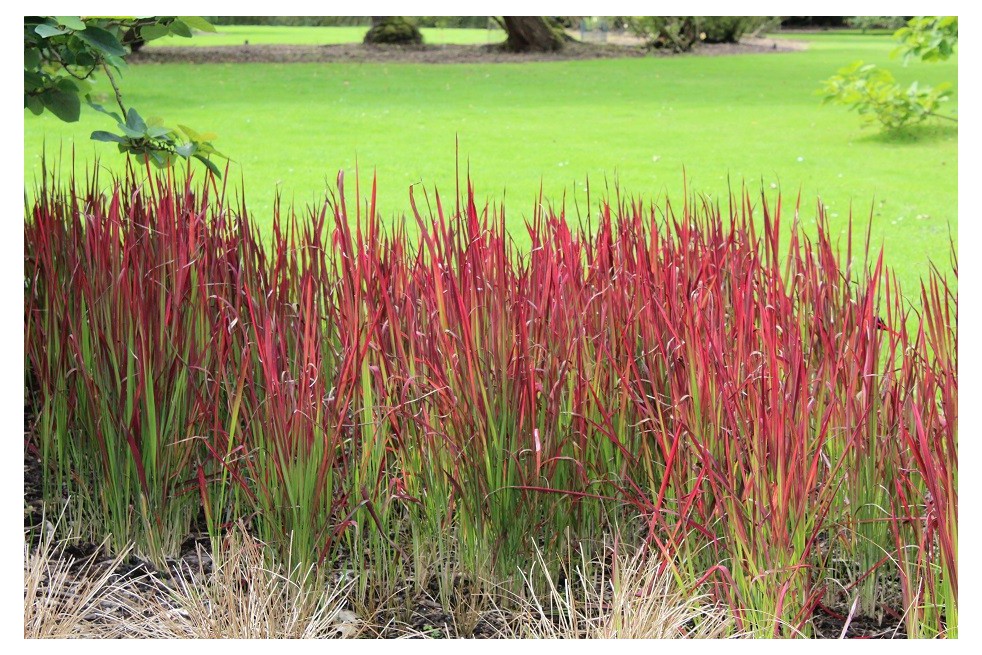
x,y
531,34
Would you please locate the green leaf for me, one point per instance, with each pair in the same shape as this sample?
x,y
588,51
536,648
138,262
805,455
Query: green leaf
x,y
100,135
158,132
191,134
180,28
85,59
151,32
132,133
197,23
69,56
66,84
32,59
101,109
116,62
71,22
34,104
33,81
210,165
47,31
134,122
158,158
185,150
63,104
102,40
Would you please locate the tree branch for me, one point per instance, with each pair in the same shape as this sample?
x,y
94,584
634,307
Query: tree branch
x,y
119,95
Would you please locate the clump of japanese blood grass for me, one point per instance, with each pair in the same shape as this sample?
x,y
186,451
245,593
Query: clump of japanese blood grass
x,y
722,379
924,454
728,385
121,336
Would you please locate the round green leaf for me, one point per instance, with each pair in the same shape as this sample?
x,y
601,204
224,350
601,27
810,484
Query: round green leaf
x,y
48,31
32,59
102,40
151,32
210,165
100,135
134,121
85,59
71,22
197,23
34,104
180,28
63,104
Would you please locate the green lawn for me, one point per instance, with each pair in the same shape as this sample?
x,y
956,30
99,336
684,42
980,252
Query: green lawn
x,y
753,118
258,34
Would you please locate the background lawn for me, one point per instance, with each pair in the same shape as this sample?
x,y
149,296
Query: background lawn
x,y
260,34
725,120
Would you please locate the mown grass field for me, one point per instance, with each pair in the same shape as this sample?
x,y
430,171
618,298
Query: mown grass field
x,y
640,122
267,34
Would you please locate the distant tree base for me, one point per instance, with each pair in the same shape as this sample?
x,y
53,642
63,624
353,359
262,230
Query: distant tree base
x,y
393,30
532,34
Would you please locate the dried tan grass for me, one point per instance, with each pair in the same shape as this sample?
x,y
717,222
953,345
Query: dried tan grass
x,y
65,598
243,598
639,600
246,598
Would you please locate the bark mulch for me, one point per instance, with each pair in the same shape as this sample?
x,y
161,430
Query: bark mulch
x,y
428,54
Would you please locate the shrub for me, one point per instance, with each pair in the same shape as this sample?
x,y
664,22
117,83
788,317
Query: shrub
x,y
680,33
928,38
394,30
729,29
875,94
865,23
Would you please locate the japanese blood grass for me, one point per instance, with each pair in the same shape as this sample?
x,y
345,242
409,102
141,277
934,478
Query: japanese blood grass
x,y
769,418
924,505
494,388
120,337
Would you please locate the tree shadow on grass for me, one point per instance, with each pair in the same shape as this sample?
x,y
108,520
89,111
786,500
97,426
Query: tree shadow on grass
x,y
914,134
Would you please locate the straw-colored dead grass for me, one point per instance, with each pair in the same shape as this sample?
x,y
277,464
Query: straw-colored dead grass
x,y
69,598
637,599
244,597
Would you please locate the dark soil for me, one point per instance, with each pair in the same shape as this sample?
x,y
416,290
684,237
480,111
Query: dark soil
x,y
427,54
34,506
828,624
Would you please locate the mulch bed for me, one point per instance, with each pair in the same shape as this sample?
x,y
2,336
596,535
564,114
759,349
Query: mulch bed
x,y
828,624
428,54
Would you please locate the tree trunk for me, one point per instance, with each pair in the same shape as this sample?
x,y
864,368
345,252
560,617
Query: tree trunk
x,y
531,34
